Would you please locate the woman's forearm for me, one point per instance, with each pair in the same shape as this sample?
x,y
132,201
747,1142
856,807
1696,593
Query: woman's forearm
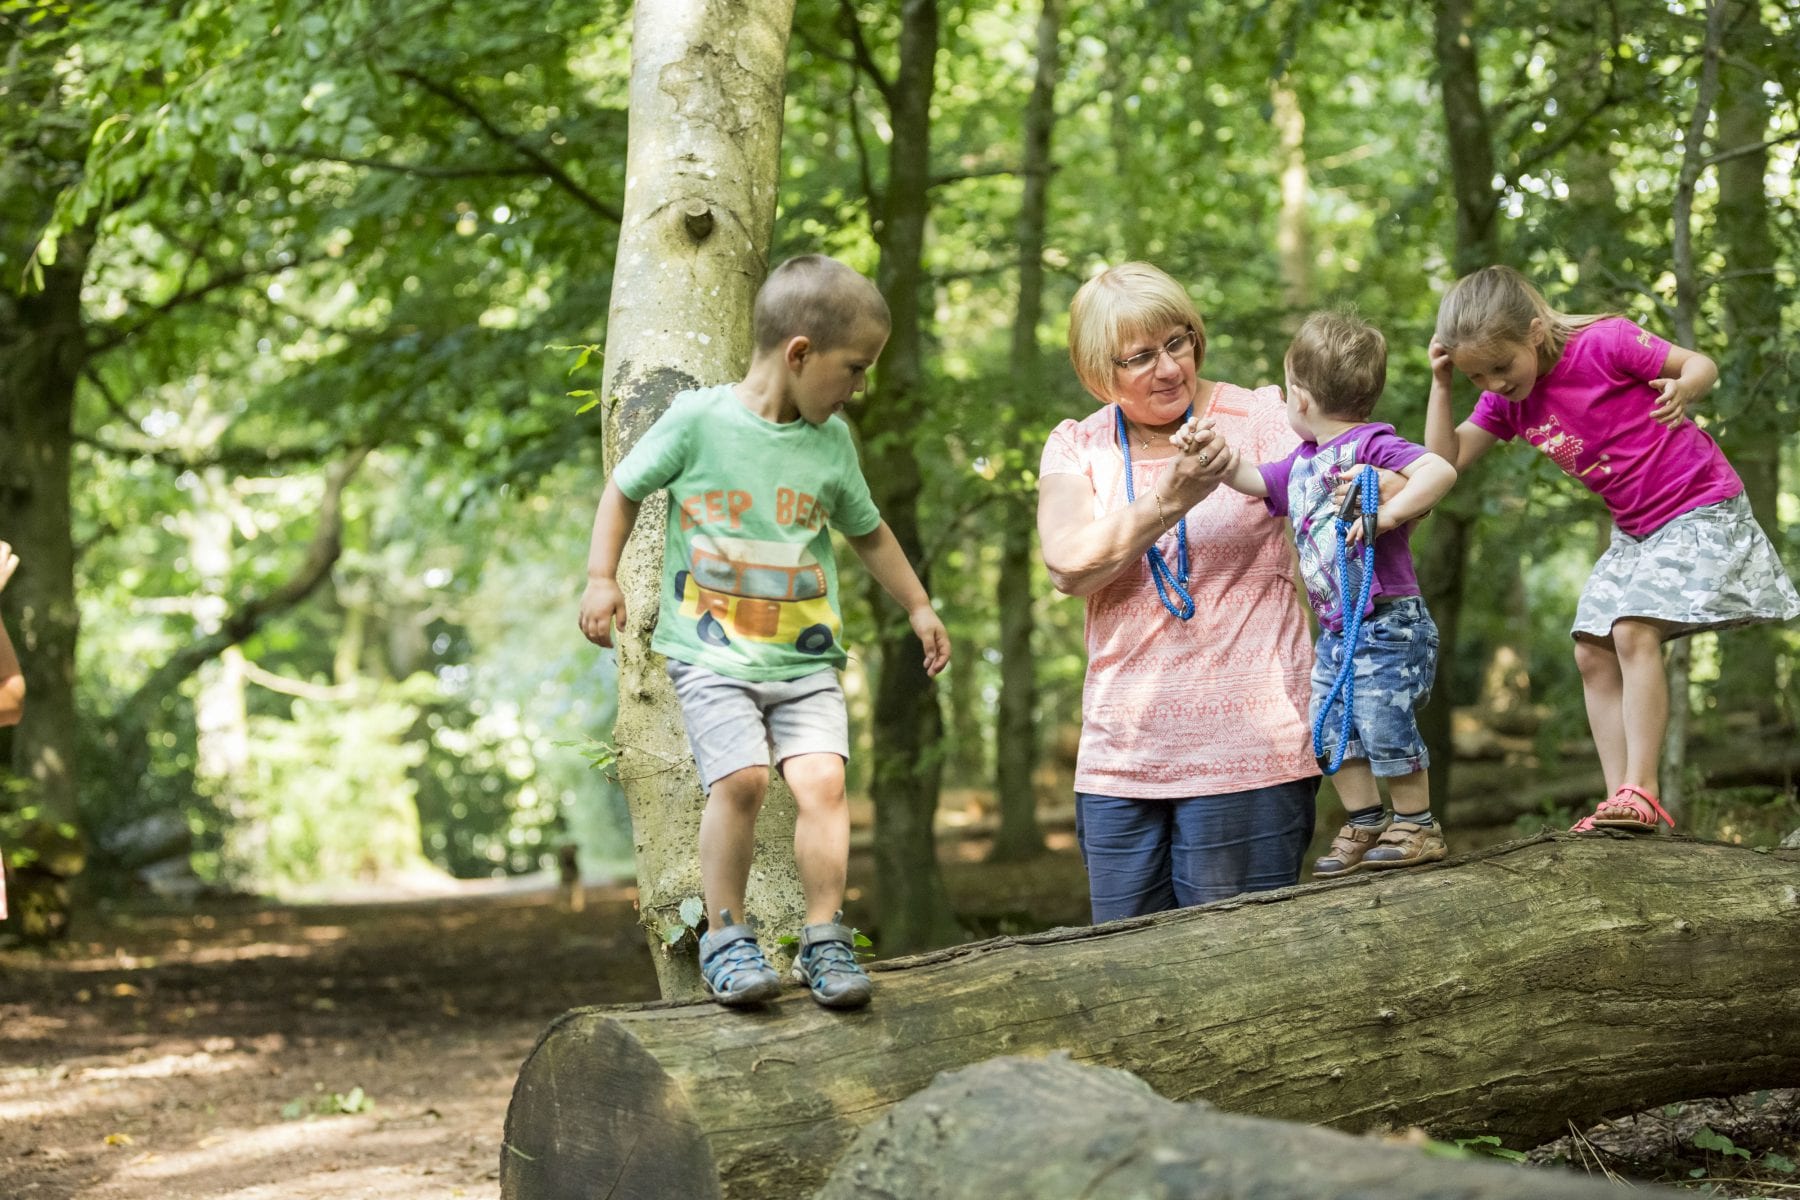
x,y
1083,557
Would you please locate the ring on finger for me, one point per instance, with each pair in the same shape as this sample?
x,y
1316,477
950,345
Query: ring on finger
x,y
1203,459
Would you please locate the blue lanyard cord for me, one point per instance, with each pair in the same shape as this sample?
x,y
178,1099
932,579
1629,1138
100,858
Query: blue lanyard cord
x,y
1364,488
1160,574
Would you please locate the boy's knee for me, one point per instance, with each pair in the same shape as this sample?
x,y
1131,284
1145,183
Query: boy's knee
x,y
1593,656
815,778
742,788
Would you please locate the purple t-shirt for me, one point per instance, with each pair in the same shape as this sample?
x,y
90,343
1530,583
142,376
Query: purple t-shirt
x,y
1591,415
1300,488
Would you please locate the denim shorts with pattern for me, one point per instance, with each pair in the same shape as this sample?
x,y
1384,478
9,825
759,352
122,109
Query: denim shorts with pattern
x,y
1395,664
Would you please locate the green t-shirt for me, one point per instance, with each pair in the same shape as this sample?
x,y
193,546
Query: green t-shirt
x,y
749,581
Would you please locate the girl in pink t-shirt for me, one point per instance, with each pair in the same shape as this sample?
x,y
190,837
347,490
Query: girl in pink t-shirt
x,y
1607,401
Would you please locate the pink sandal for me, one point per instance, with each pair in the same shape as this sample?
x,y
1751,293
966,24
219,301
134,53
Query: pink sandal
x,y
1628,808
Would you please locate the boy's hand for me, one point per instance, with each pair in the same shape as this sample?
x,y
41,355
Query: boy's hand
x,y
934,637
9,562
1187,439
602,607
1671,407
1383,522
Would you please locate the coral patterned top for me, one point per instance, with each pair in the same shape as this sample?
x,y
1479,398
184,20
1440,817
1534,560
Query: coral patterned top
x,y
1217,703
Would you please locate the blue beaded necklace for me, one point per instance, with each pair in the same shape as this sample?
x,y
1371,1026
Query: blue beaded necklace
x,y
1166,580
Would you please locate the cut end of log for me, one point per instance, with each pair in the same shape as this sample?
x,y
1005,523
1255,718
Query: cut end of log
x,y
595,1114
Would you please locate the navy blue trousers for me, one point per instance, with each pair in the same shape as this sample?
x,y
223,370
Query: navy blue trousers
x,y
1148,856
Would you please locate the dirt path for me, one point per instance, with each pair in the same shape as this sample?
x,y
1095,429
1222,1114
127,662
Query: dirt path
x,y
220,1054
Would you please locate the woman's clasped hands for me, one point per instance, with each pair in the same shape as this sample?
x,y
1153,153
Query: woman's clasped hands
x,y
1206,461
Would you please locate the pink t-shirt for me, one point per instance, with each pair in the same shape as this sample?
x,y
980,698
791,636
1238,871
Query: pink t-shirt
x,y
1591,415
1216,703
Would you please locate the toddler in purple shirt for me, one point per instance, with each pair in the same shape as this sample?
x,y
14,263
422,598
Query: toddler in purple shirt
x,y
1336,369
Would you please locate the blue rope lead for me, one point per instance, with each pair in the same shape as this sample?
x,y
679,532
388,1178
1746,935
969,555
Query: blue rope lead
x,y
1364,489
1166,580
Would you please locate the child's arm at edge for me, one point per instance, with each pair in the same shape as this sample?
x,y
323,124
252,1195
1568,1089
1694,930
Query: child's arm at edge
x,y
12,678
1429,479
1248,480
602,603
1457,445
1686,376
880,552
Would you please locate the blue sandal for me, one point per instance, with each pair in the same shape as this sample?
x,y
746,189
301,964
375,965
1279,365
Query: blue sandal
x,y
733,966
827,965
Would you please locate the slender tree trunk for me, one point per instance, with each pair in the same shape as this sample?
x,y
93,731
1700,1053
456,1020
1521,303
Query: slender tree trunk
x,y
1016,741
1673,775
915,907
1449,536
1754,388
1293,235
1121,130
43,347
707,86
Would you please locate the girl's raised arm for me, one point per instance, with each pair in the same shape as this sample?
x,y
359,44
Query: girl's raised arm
x,y
1458,445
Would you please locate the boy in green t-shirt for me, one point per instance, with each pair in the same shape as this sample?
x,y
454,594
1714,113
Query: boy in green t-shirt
x,y
758,472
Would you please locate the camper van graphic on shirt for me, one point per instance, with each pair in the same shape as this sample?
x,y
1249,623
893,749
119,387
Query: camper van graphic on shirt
x,y
758,591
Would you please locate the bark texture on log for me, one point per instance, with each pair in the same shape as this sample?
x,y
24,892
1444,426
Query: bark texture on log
x,y
1024,1129
1506,992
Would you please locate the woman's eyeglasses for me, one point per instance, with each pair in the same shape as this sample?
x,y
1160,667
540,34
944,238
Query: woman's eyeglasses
x,y
1178,348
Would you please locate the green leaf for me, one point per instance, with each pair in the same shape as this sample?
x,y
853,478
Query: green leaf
x,y
1778,1162
1706,1139
692,909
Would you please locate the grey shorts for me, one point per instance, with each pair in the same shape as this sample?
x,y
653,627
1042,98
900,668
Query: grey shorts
x,y
1711,568
734,723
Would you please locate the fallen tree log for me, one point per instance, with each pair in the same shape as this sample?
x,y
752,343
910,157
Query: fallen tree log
x,y
1504,992
1026,1129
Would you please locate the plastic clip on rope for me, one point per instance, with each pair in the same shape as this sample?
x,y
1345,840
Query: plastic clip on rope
x,y
1160,574
1363,489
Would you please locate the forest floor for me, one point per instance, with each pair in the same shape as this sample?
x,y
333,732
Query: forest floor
x,y
367,1051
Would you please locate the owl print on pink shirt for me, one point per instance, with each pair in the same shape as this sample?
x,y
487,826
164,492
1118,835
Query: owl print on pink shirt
x,y
1563,448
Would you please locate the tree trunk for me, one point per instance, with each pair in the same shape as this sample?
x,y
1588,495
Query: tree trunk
x,y
1672,777
43,346
914,904
1293,234
1759,414
1449,536
1024,1129
1516,989
702,157
1016,742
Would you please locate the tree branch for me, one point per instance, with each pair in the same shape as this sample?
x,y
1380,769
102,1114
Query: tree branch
x,y
419,170
1752,148
978,173
865,60
321,555
515,143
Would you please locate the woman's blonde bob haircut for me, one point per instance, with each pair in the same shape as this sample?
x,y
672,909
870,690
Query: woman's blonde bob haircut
x,y
1132,302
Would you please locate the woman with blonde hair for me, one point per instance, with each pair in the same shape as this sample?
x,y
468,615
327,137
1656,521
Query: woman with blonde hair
x,y
1194,780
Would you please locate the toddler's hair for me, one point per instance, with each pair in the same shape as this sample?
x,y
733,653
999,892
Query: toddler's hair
x,y
1495,306
1341,360
818,298
1133,301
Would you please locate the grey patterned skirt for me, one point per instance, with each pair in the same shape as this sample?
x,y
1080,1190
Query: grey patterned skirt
x,y
1711,568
